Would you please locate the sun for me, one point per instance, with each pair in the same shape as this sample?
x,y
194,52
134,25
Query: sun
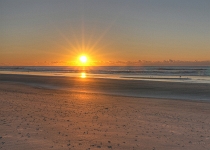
x,y
83,59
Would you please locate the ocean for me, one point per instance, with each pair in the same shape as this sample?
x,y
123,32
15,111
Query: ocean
x,y
183,83
189,74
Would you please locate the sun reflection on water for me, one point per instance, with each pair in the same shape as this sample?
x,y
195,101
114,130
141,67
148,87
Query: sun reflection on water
x,y
83,75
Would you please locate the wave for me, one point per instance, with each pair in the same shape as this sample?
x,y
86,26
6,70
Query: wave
x,y
126,70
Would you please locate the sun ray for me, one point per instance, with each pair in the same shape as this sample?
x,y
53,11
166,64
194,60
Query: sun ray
x,y
103,35
77,45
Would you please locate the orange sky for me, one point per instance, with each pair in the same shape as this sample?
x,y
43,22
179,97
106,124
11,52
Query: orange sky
x,y
109,33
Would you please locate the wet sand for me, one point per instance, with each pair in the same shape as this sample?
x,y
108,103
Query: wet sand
x,y
135,88
39,118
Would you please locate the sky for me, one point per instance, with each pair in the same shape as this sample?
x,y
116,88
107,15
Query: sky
x,y
109,32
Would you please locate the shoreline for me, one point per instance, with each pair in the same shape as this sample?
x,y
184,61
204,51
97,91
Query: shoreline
x,y
56,119
160,78
132,88
98,93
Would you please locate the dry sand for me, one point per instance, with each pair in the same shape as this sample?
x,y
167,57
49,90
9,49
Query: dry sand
x,y
36,118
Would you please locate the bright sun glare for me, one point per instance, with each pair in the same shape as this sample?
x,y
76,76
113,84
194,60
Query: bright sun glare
x,y
83,75
83,59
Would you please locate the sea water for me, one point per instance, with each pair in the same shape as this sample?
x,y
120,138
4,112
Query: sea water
x,y
190,74
183,83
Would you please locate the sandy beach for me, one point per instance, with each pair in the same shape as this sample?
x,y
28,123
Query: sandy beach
x,y
104,75
40,118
